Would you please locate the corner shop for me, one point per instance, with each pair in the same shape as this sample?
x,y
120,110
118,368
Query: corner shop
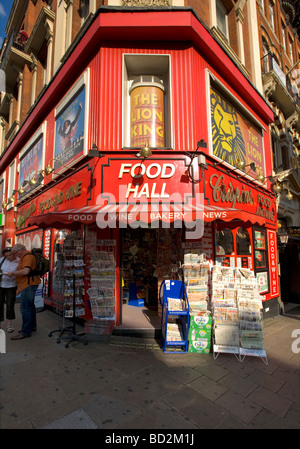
x,y
64,196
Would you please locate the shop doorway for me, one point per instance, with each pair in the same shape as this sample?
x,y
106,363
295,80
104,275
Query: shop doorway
x,y
148,256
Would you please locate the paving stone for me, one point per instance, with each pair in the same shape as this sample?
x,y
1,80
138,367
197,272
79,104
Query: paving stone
x,y
109,412
202,412
265,380
211,370
238,384
241,407
78,419
275,403
207,387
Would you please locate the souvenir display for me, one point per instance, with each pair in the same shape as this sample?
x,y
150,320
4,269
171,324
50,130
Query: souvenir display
x,y
68,279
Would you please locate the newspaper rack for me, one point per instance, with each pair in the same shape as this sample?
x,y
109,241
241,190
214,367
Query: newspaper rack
x,y
237,314
175,316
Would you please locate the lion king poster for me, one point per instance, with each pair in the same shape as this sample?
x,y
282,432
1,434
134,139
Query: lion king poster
x,y
234,137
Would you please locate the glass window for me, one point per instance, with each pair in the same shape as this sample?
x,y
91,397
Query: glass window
x,y
283,35
243,244
266,64
271,12
260,250
224,242
222,18
291,49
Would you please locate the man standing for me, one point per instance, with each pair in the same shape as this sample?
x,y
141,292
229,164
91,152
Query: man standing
x,y
27,286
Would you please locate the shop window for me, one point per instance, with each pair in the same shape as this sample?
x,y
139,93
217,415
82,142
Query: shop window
x,y
243,244
260,259
146,101
233,246
224,247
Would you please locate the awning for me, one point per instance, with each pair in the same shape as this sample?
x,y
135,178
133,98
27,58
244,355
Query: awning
x,y
110,215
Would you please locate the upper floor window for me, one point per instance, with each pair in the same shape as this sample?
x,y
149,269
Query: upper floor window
x,y
291,50
87,7
222,19
1,190
266,63
272,13
283,35
11,181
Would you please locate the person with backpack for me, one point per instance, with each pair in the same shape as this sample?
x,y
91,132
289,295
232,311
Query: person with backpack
x,y
27,282
8,287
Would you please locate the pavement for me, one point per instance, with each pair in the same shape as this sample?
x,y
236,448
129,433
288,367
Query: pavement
x,y
126,383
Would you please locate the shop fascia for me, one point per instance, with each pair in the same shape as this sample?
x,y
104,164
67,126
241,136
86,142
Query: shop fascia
x,y
48,202
224,191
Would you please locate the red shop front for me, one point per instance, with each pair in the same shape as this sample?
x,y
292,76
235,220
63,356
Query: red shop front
x,y
132,232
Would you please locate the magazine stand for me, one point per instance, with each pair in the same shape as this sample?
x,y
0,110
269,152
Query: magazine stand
x,y
175,316
237,314
70,330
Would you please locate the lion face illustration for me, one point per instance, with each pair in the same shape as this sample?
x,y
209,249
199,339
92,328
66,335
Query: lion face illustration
x,y
228,142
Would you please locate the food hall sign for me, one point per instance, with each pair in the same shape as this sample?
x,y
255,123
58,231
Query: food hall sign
x,y
226,192
150,180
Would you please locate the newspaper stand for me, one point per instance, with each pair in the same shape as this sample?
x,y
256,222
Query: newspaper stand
x,y
174,290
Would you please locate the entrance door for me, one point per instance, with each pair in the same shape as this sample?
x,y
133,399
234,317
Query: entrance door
x,y
139,267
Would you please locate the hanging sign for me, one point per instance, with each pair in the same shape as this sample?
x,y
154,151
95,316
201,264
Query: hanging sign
x,y
273,263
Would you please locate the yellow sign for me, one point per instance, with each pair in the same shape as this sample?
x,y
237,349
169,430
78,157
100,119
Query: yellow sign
x,y
235,138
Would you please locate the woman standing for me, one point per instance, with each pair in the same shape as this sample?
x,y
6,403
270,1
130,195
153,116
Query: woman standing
x,y
8,287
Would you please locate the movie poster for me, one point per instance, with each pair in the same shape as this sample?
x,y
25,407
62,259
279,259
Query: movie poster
x,y
30,163
234,137
69,131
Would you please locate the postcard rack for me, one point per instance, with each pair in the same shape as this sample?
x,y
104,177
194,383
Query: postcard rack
x,y
175,316
68,333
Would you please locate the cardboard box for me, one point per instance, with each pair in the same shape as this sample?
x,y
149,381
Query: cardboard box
x,y
199,333
201,322
200,346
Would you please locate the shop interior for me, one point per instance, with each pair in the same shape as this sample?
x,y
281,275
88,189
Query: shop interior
x,y
148,256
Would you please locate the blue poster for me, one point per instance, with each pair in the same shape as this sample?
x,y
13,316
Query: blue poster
x,y
69,131
31,163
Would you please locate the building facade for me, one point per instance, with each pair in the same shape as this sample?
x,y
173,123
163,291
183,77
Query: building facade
x,y
131,135
280,58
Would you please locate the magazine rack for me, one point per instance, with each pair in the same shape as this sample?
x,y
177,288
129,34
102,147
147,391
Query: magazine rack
x,y
70,330
237,314
175,316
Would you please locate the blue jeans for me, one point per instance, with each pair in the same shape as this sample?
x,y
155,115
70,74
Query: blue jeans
x,y
28,309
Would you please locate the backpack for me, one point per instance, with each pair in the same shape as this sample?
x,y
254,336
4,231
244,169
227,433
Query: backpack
x,y
42,264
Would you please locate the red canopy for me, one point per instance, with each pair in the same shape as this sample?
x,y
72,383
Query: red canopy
x,y
143,212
